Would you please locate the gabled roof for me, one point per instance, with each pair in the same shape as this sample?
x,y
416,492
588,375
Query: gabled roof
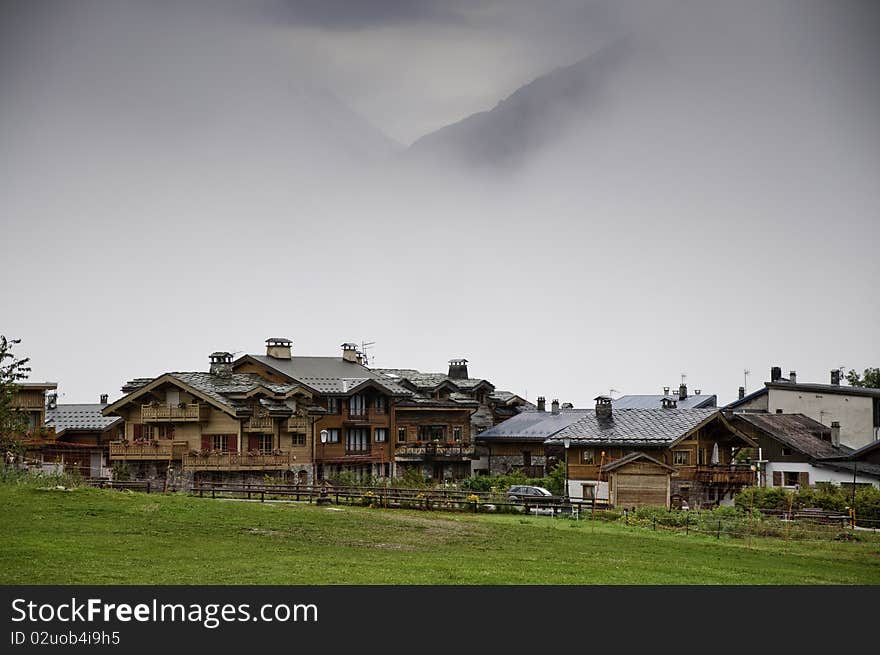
x,y
796,431
328,375
632,457
79,417
653,401
532,425
432,381
634,427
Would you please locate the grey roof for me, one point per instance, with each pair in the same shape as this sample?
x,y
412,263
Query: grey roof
x,y
330,375
79,417
825,388
630,427
693,401
533,425
429,381
861,468
796,431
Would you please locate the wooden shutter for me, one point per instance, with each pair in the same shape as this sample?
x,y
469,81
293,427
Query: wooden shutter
x,y
137,430
804,479
169,432
232,443
253,442
206,442
777,478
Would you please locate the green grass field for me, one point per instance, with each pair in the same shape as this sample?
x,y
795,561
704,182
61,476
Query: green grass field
x,y
90,536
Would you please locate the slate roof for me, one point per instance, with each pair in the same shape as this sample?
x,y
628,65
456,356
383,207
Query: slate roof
x,y
633,427
79,417
430,381
796,431
532,425
330,375
653,401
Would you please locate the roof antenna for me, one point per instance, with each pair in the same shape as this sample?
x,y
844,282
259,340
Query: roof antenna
x,y
746,374
364,346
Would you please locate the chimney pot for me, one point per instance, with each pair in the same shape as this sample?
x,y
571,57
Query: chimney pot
x,y
350,353
278,347
835,377
603,406
835,433
665,391
554,406
682,391
792,377
542,404
221,364
775,374
104,398
742,393
668,402
458,368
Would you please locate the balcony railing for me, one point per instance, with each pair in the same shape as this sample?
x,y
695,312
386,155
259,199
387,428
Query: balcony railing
x,y
362,451
358,416
179,413
297,424
724,474
121,450
435,450
238,462
258,424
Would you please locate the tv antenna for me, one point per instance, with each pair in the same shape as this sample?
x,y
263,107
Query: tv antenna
x,y
746,374
364,346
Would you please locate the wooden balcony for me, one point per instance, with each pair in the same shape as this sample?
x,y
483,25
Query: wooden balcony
x,y
147,451
725,475
435,451
186,413
258,424
298,424
238,462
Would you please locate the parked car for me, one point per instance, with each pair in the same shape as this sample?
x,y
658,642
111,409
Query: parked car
x,y
526,493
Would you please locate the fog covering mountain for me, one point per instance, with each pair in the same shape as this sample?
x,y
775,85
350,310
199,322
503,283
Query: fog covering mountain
x,y
536,115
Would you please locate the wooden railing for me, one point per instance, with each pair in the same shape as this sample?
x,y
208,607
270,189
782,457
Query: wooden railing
x,y
722,474
258,424
121,450
423,450
186,412
237,461
297,424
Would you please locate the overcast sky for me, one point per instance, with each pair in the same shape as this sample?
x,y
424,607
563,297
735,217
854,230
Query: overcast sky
x,y
183,177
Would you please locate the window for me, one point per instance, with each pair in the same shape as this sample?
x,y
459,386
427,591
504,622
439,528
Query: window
x,y
298,438
589,491
401,435
790,477
333,405
381,435
264,443
357,440
431,432
456,433
380,405
333,435
357,405
786,451
681,457
220,442
701,456
158,432
588,456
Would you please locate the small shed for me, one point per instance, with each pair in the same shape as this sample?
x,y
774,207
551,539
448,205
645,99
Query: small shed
x,y
638,480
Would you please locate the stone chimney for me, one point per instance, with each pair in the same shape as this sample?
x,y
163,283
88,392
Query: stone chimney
x,y
835,377
775,374
835,433
51,400
742,393
542,404
567,406
665,391
278,348
221,364
458,369
104,398
554,406
350,352
792,377
682,391
603,406
668,402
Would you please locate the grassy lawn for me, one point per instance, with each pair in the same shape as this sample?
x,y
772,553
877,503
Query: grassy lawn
x,y
91,536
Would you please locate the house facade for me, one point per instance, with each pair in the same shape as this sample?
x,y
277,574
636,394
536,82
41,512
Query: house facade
x,y
697,449
186,427
855,409
374,423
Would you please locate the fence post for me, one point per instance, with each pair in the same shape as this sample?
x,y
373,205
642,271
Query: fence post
x,y
687,524
148,486
262,495
655,524
213,494
718,534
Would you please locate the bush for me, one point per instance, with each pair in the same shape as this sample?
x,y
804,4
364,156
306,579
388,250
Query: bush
x,y
826,496
554,482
